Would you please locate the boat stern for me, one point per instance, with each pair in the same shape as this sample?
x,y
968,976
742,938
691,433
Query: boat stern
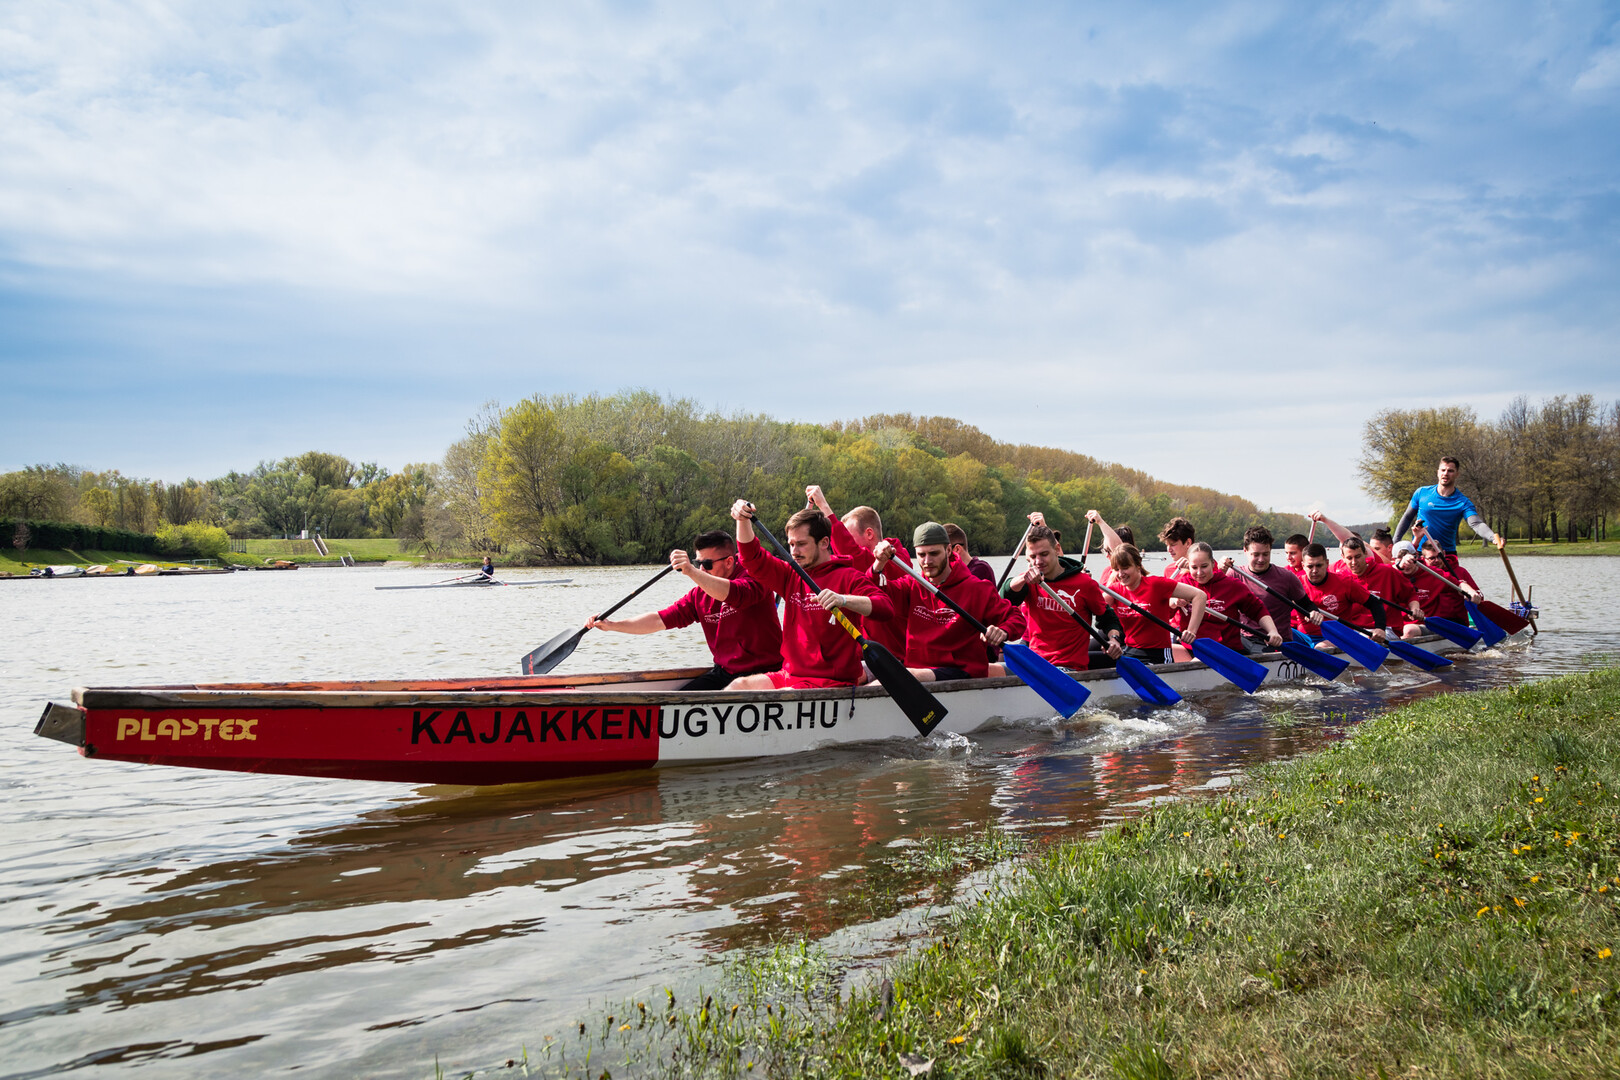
x,y
64,723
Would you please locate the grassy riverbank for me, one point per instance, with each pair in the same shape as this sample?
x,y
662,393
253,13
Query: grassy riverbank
x,y
1516,548
1433,897
21,562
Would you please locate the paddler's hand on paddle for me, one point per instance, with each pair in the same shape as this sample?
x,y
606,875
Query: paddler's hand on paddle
x,y
1315,618
1474,595
882,554
1031,578
1226,565
994,636
1379,636
1115,648
814,497
1188,637
681,562
859,605
1274,639
1037,518
1501,542
742,512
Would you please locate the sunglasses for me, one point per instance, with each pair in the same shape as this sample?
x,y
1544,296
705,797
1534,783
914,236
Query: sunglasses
x,y
709,564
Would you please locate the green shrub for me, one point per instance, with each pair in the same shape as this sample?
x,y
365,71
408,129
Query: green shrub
x,y
194,538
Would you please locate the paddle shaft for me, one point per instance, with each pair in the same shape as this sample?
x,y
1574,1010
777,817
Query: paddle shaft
x,y
1514,579
645,586
1252,631
1005,570
1175,635
1085,547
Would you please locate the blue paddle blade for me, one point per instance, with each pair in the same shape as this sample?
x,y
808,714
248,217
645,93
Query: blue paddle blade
x,y
1056,689
1364,651
1416,656
1455,632
1231,665
1148,686
1487,629
1313,660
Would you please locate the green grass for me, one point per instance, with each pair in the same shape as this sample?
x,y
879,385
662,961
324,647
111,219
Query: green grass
x,y
20,562
365,550
1544,548
1434,897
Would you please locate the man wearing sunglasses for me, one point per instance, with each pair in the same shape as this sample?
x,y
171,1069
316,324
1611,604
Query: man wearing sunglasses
x,y
738,613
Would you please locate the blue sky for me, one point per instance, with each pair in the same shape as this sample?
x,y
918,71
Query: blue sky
x,y
1206,240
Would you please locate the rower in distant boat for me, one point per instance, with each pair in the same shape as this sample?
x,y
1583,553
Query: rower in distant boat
x,y
1145,640
488,569
1338,595
816,650
1441,508
1050,631
737,613
940,644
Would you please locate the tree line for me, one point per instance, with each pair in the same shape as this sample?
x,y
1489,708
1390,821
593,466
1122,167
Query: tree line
x,y
1549,470
627,477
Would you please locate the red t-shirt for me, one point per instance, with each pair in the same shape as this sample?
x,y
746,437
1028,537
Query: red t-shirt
x,y
1231,598
1153,594
1438,599
1390,586
1338,594
814,644
1051,631
892,634
936,636
742,630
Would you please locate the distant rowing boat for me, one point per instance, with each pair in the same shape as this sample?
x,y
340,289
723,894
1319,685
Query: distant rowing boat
x,y
478,583
507,730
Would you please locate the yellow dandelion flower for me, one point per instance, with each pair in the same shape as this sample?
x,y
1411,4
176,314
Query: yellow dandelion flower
x,y
956,1040
1540,799
1535,878
1535,779
1603,888
1604,954
624,1027
1516,900
1482,911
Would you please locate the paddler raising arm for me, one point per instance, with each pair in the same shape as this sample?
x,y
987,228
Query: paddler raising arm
x,y
853,538
1050,630
737,613
816,650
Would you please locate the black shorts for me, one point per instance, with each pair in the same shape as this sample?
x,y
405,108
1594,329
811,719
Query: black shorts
x,y
944,674
716,678
1149,656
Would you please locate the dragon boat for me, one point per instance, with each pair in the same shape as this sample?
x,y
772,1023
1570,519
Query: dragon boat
x,y
506,730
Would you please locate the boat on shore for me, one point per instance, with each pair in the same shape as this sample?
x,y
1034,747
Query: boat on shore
x,y
518,729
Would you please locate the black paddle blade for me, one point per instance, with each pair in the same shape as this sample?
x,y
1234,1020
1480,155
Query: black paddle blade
x,y
552,652
921,708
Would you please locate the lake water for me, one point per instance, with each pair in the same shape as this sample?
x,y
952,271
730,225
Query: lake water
x,y
190,923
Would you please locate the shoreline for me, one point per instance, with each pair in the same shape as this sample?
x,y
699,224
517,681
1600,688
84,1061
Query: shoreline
x,y
1439,894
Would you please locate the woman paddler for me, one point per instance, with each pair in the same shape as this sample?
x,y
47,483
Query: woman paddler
x,y
1146,640
1227,596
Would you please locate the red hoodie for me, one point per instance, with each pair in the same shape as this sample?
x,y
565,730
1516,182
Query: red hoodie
x,y
1340,595
936,636
814,644
892,634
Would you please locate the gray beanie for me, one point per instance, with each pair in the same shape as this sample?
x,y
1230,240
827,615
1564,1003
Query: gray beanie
x,y
929,532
